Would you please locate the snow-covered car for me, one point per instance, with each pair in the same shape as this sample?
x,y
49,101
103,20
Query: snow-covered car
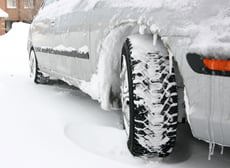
x,y
146,57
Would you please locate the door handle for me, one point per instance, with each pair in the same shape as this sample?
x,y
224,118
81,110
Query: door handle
x,y
52,22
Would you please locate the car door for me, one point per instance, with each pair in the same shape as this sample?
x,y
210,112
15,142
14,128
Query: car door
x,y
43,34
70,56
101,18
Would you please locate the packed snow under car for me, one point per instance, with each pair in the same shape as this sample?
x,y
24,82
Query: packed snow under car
x,y
149,58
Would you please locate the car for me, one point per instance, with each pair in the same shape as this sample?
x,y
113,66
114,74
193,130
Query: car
x,y
159,62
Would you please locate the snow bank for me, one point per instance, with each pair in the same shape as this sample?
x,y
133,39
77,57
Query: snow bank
x,y
3,14
14,52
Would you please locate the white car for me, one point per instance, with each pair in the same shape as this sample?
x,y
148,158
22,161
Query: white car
x,y
146,57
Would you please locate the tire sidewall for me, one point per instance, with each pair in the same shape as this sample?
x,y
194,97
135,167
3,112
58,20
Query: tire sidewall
x,y
33,60
141,136
126,53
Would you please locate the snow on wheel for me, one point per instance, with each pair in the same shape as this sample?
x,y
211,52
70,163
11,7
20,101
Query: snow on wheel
x,y
149,97
33,66
35,74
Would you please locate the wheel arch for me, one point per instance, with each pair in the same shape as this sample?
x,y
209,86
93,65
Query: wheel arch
x,y
110,56
31,48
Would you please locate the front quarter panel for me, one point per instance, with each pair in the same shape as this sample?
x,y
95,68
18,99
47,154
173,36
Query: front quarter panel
x,y
42,35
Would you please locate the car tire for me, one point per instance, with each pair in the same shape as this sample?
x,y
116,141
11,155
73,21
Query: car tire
x,y
35,74
149,97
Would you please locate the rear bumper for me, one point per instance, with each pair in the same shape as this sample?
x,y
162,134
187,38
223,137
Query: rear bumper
x,y
208,104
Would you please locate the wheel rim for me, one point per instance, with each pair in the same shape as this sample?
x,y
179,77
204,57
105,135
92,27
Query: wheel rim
x,y
33,66
125,96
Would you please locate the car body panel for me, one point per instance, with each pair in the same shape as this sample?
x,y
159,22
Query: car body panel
x,y
183,25
75,35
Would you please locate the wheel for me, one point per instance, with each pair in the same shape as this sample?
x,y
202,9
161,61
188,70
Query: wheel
x,y
149,97
35,74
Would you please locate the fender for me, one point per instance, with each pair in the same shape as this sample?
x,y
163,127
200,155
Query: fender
x,y
107,77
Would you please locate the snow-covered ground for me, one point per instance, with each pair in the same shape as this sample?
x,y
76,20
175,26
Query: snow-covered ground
x,y
57,126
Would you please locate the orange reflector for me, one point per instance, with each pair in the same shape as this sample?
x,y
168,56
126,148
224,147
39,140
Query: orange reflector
x,y
217,65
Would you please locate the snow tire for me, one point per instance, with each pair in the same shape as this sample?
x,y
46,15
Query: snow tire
x,y
149,95
35,73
